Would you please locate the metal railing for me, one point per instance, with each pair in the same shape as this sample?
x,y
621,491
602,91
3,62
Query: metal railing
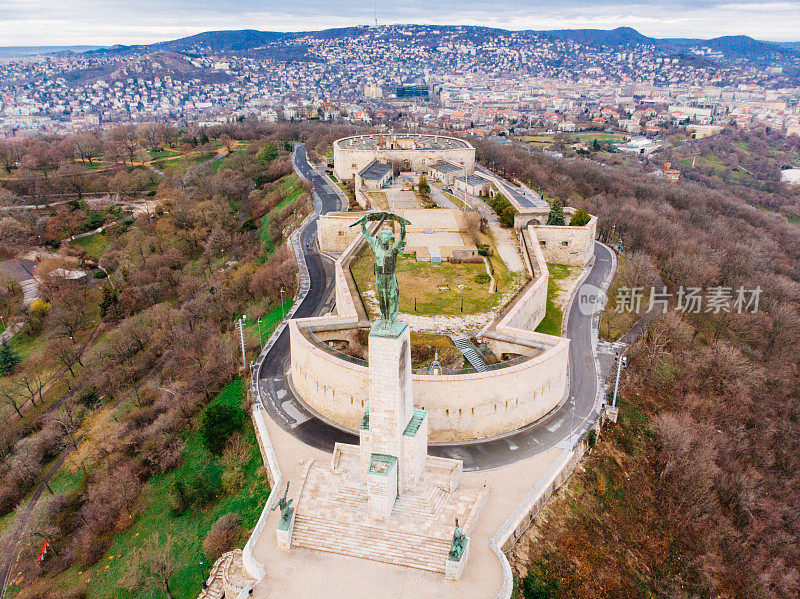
x,y
339,354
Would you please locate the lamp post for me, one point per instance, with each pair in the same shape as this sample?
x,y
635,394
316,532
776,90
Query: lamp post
x,y
260,338
240,324
203,573
283,309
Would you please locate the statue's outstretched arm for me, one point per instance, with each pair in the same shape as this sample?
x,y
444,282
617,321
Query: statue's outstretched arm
x,y
400,244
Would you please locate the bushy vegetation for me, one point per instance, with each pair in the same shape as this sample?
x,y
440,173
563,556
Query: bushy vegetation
x,y
556,215
218,424
142,354
700,500
503,208
580,218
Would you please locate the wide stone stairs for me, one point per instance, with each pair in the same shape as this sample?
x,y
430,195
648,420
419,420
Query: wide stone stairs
x,y
371,541
470,352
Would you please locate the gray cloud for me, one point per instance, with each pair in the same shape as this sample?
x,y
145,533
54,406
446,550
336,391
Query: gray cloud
x,y
40,22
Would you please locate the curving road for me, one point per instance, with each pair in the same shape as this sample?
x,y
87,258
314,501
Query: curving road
x,y
279,401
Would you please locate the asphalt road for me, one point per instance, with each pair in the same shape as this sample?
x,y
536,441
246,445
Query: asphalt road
x,y
536,438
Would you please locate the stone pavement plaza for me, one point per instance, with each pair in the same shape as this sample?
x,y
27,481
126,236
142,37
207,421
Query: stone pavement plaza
x,y
302,573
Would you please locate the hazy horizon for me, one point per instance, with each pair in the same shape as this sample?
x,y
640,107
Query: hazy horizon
x,y
106,22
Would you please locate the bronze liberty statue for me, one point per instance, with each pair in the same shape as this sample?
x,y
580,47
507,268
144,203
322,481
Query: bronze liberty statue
x,y
386,249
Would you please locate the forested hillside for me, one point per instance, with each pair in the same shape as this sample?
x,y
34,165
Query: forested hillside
x,y
116,384
695,491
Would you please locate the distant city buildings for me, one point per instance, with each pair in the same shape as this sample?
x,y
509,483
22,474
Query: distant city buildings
x,y
474,82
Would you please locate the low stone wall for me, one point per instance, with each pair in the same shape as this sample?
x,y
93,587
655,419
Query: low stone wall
x,y
254,568
525,513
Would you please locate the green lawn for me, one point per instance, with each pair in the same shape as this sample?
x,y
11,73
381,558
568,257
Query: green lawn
x,y
179,166
94,245
435,287
163,154
794,219
551,323
218,164
188,530
95,165
270,320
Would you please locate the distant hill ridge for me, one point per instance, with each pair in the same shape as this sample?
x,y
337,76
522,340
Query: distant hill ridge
x,y
248,40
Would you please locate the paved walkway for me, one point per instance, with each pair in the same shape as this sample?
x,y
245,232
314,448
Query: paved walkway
x,y
401,200
302,573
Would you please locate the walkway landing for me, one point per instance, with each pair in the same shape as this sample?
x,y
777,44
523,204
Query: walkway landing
x,y
332,514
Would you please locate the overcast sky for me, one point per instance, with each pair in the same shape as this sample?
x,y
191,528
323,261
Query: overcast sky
x,y
105,22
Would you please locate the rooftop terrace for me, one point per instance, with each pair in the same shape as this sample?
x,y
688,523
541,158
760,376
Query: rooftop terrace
x,y
401,142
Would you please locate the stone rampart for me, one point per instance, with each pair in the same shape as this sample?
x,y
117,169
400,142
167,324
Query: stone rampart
x,y
349,158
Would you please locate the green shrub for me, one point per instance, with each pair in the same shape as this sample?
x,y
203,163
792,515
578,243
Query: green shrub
x,y
503,208
199,489
9,358
95,220
267,154
180,498
591,438
204,487
580,218
218,423
90,397
482,278
100,274
540,583
556,216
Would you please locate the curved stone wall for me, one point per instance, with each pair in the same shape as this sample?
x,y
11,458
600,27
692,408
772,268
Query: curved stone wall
x,y
460,406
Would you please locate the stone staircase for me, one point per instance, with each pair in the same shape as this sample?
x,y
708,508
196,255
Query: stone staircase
x,y
470,352
227,577
371,541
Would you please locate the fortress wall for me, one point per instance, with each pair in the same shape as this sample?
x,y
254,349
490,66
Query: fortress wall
x,y
529,310
463,406
347,162
573,246
350,161
334,231
460,407
334,388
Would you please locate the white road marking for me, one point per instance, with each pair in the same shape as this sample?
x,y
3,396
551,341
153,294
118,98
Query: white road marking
x,y
296,415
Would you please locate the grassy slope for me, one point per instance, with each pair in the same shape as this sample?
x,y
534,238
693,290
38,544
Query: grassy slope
x,y
291,183
611,497
179,166
270,320
551,323
94,245
187,530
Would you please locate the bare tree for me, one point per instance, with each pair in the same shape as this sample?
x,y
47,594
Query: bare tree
x,y
151,565
9,396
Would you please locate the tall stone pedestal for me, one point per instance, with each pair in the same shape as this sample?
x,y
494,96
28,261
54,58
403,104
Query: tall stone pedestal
x,y
352,507
391,426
